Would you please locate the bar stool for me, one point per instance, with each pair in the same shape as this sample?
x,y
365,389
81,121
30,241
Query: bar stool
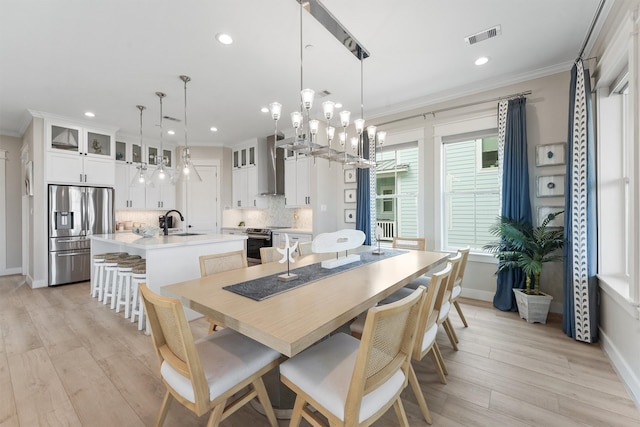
x,y
138,275
98,272
109,262
123,295
111,277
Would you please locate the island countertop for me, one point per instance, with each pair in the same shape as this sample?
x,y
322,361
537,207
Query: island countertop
x,y
165,242
169,259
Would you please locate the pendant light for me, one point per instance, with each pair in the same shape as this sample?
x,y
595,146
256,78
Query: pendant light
x,y
161,176
186,169
141,177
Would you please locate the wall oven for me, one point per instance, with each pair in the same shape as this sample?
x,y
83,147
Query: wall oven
x,y
257,238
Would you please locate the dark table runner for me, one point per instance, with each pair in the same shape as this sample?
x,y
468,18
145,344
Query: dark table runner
x,y
268,286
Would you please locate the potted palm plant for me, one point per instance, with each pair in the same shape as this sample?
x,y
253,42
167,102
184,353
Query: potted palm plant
x,y
526,247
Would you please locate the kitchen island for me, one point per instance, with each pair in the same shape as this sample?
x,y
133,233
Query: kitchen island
x,y
170,259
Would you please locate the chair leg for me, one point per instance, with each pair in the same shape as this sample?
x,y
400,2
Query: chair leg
x,y
447,329
436,351
436,363
263,398
296,414
415,386
164,409
216,415
459,310
453,331
402,416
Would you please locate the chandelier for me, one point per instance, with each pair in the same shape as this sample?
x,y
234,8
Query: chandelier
x,y
186,169
305,138
140,179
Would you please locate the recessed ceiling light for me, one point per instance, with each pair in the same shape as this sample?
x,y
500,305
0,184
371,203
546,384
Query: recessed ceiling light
x,y
482,60
224,38
171,132
264,110
89,114
338,105
213,129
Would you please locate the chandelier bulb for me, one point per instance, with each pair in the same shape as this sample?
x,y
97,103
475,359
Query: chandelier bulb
x,y
307,98
359,124
345,116
327,108
276,110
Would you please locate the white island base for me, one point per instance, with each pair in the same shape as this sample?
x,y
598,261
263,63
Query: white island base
x,y
170,259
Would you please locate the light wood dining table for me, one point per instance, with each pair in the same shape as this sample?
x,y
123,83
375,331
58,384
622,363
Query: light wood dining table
x,y
294,320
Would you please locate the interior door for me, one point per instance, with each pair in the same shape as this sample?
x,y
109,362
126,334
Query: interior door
x,y
202,201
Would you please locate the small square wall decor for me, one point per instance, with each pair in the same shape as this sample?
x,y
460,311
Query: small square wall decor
x,y
550,154
550,186
350,195
349,176
349,215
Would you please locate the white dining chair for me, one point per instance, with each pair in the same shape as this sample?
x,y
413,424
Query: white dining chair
x,y
218,374
354,382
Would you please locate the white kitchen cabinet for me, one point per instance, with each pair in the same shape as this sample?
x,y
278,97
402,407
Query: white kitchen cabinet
x,y
297,182
245,188
79,155
160,196
127,197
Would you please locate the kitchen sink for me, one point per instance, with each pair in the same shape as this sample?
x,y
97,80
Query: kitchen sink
x,y
185,234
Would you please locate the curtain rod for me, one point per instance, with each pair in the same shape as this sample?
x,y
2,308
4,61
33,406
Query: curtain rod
x,y
591,28
455,107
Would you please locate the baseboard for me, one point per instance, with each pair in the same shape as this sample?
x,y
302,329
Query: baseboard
x,y
556,307
477,294
11,271
36,283
626,375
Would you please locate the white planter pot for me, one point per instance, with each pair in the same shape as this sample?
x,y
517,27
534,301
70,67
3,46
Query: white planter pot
x,y
533,308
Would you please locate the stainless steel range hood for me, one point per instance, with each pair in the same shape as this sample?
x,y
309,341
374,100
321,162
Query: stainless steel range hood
x,y
275,168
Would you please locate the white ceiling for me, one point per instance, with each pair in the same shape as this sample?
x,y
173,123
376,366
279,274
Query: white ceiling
x,y
71,56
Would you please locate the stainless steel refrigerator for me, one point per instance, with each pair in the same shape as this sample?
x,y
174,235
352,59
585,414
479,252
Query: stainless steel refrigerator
x,y
75,213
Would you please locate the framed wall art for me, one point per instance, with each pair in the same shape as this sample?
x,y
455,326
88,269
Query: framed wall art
x,y
350,195
550,154
349,215
544,211
550,186
349,176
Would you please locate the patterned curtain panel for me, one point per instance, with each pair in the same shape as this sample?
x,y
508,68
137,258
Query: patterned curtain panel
x,y
580,231
363,198
515,203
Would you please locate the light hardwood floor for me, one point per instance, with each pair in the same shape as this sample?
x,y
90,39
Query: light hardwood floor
x,y
68,360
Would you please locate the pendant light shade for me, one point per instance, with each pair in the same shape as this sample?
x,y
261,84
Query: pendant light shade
x,y
186,169
141,177
162,175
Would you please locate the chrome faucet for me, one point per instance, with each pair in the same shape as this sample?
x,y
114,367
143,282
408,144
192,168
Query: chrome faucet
x,y
166,223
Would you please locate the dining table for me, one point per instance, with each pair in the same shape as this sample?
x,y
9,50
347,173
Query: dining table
x,y
292,321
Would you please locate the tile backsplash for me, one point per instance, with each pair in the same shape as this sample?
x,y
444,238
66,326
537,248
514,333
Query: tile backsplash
x,y
275,215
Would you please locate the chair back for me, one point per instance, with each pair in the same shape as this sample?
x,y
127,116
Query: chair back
x,y
386,345
304,248
413,243
174,343
444,293
271,255
217,263
463,265
438,282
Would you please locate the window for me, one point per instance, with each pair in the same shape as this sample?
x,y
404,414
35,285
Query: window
x,y
397,191
471,189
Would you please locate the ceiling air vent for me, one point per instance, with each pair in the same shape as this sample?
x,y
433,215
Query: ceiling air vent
x,y
171,118
322,93
483,35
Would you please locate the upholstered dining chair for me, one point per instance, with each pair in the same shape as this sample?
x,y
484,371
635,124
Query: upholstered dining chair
x,y
354,382
268,255
304,248
206,375
444,301
217,263
457,286
413,243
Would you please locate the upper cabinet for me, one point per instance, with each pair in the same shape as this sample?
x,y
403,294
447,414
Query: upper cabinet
x,y
297,181
79,155
251,173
